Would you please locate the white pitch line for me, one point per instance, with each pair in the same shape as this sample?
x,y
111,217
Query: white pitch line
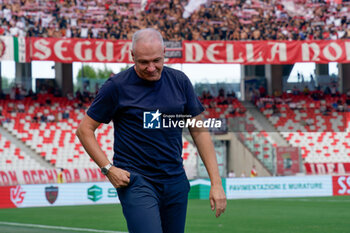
x,y
56,227
306,200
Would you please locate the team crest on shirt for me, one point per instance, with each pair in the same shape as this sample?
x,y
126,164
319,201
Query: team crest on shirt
x,y
152,120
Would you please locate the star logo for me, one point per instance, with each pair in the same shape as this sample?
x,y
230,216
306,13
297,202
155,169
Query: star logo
x,y
156,115
151,120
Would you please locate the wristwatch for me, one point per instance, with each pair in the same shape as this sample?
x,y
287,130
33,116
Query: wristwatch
x,y
104,170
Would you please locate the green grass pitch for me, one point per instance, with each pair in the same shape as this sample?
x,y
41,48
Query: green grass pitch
x,y
283,215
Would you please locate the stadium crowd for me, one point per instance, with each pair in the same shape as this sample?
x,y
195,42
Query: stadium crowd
x,y
213,20
329,98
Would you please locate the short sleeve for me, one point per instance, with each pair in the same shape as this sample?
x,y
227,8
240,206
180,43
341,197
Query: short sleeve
x,y
105,104
193,105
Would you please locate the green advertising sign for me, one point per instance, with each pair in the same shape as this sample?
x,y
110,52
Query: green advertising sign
x,y
94,193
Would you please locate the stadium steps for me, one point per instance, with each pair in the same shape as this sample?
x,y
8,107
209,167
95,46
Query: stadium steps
x,y
265,123
241,158
25,149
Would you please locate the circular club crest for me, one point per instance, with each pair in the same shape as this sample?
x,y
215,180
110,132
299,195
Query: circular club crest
x,y
2,48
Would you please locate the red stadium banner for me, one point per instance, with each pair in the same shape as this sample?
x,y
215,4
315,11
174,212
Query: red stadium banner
x,y
267,52
216,52
326,168
11,196
50,176
80,50
83,50
341,185
288,162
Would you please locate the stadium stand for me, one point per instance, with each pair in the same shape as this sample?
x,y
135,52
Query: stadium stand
x,y
322,136
13,158
298,118
258,141
321,133
249,131
55,140
215,20
190,156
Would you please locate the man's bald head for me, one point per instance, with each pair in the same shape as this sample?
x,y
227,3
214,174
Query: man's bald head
x,y
148,54
147,35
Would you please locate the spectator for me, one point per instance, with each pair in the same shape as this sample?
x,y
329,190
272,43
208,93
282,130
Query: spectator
x,y
277,94
78,95
221,99
70,96
20,107
324,109
2,95
340,106
231,174
293,105
327,91
51,118
253,172
335,105
60,176
333,90
231,110
275,110
347,98
231,95
65,114
262,91
295,91
271,20
260,104
35,119
43,118
317,95
11,107
48,101
306,90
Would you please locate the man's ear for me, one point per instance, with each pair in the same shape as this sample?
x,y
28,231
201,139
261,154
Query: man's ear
x,y
132,55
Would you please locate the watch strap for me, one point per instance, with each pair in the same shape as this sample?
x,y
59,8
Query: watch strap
x,y
105,169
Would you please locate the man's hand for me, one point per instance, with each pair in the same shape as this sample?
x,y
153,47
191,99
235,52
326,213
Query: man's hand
x,y
217,199
118,177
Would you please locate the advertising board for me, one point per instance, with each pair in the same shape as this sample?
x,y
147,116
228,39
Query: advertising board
x,y
290,186
57,194
341,185
236,188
